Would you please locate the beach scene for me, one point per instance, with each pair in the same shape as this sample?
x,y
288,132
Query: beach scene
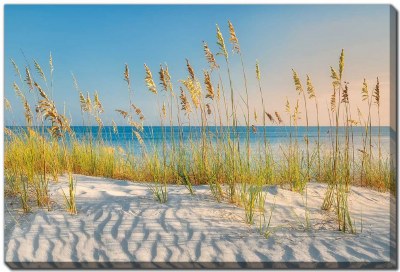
x,y
200,136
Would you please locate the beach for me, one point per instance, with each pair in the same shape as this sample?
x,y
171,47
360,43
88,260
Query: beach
x,y
120,224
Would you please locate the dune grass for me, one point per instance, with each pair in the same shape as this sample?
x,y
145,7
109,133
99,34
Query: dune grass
x,y
47,147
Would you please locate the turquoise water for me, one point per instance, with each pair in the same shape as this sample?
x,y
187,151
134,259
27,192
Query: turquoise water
x,y
276,135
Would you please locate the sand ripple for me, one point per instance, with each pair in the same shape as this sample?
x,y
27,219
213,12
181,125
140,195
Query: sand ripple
x,y
119,222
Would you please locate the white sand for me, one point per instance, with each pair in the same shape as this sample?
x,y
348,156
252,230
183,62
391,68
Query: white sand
x,y
120,222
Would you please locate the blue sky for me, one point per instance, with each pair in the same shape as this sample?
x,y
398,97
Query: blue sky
x,y
94,43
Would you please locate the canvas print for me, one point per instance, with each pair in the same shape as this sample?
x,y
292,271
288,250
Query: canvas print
x,y
200,136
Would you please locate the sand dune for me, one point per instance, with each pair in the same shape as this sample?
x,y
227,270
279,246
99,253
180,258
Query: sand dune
x,y
119,222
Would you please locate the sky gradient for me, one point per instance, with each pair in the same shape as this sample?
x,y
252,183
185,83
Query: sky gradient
x,y
95,42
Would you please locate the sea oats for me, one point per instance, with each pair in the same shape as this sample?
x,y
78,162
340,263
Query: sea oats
x,y
39,70
193,86
163,79
28,113
194,89
258,70
333,101
122,112
233,38
7,104
297,83
60,126
270,117
167,77
138,137
126,74
164,111
296,114
190,70
135,124
59,123
40,90
51,64
114,126
184,102
97,103
345,94
352,122
82,101
99,122
149,80
18,91
208,109
221,44
335,77
341,64
88,102
138,112
75,81
278,117
310,88
28,79
208,84
16,69
376,94
210,57
287,106
364,91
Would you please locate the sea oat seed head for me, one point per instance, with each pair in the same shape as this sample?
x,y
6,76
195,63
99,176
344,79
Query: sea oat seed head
x,y
209,56
297,82
278,117
184,102
258,71
341,63
310,88
233,38
364,91
221,44
28,79
208,109
208,84
335,78
126,74
122,112
377,93
149,80
51,63
190,69
39,70
345,94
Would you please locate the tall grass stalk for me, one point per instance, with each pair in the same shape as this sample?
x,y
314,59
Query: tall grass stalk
x,y
232,178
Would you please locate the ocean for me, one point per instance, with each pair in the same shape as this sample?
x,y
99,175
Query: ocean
x,y
277,136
